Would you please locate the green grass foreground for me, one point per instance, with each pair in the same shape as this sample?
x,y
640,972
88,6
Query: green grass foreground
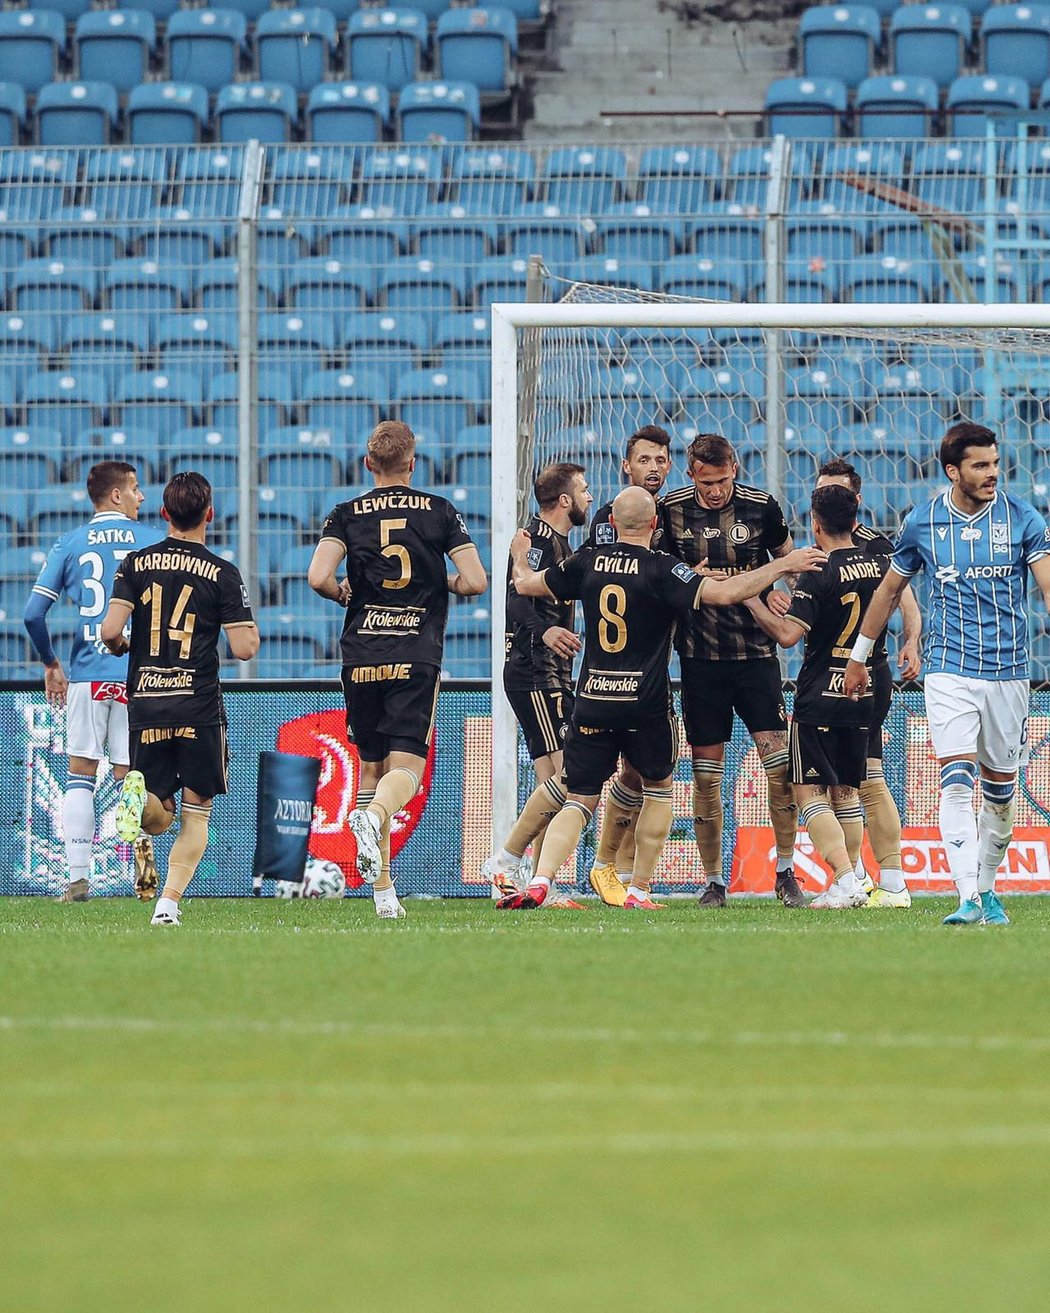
x,y
296,1106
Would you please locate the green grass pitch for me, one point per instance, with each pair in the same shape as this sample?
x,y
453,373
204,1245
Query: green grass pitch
x,y
295,1106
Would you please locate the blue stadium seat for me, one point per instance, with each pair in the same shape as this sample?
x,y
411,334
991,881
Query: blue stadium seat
x,y
31,43
930,41
719,234
12,113
162,10
896,107
44,286
386,46
196,340
808,278
950,174
503,279
296,330
323,283
702,276
678,179
385,331
401,182
29,457
805,107
747,178
353,235
295,46
609,271
145,287
265,111
348,111
137,446
439,401
67,401
839,41
418,282
213,452
166,400
209,180
170,113
975,268
465,330
115,46
970,98
814,234
175,238
1016,42
445,232
344,400
584,180
302,458
23,338
75,113
107,331
888,278
108,360
206,46
537,228
274,391
487,181
438,111
631,231
479,46
218,283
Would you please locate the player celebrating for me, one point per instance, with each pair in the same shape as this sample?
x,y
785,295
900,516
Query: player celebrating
x,y
537,675
82,565
976,544
880,811
396,596
180,597
632,598
728,664
647,463
830,732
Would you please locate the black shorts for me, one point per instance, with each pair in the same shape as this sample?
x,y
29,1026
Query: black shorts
x,y
390,708
544,716
592,754
188,757
713,690
829,754
882,688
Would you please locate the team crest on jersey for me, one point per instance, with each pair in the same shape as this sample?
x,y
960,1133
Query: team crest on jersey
x,y
1001,537
604,535
534,557
971,534
684,572
739,533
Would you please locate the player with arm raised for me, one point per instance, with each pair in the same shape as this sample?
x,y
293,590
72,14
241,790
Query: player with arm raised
x,y
976,544
181,598
723,528
537,674
394,541
632,598
82,565
829,731
647,463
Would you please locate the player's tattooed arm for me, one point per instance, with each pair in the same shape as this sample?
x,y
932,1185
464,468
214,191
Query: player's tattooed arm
x,y
728,592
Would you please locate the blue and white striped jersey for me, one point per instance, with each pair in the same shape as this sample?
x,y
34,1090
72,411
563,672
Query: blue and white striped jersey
x,y
977,574
82,564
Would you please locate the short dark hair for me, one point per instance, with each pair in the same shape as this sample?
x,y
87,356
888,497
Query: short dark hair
x,y
105,476
837,468
959,437
710,449
836,508
187,496
648,433
554,481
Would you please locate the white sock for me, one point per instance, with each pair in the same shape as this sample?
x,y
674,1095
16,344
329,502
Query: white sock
x,y
634,892
385,897
625,877
784,864
848,882
509,861
78,824
544,880
892,881
995,828
959,825
860,870
166,907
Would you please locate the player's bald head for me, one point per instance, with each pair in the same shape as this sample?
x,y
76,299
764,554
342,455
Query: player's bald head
x,y
633,510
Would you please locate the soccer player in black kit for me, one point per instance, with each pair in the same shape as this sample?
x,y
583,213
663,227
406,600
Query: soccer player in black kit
x,y
394,540
631,598
537,674
180,598
829,731
723,527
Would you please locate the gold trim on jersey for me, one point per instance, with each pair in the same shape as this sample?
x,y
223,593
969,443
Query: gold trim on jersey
x,y
120,601
542,712
461,547
433,712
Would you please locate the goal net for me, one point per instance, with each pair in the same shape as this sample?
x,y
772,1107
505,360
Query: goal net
x,y
790,386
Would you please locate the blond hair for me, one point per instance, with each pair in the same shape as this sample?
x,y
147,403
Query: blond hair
x,y
391,447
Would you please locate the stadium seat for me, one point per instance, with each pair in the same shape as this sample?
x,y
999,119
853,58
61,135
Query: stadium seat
x,y
805,107
479,46
295,46
384,333
386,46
715,234
165,400
110,333
950,174
438,401
487,181
930,41
209,181
273,390
630,231
218,286
169,113
975,270
213,452
145,287
814,234
969,98
608,271
839,41
348,111
353,235
206,46
67,401
896,107
678,179
807,278
75,113
45,286
1016,42
307,459
115,46
23,338
196,340
702,276
137,446
444,232
345,400
537,228
175,238
265,111
12,113
584,180
503,279
294,330
322,283
888,278
747,178
31,43
400,183
438,111
417,282
29,457
467,330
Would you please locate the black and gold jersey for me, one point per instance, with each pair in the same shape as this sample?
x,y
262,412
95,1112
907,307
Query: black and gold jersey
x,y
878,547
829,606
180,596
602,534
396,540
632,598
530,663
741,535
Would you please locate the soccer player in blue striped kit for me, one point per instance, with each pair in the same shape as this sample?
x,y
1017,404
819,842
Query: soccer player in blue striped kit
x,y
976,544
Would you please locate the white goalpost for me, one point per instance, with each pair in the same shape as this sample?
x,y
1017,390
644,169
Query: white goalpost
x,y
788,383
